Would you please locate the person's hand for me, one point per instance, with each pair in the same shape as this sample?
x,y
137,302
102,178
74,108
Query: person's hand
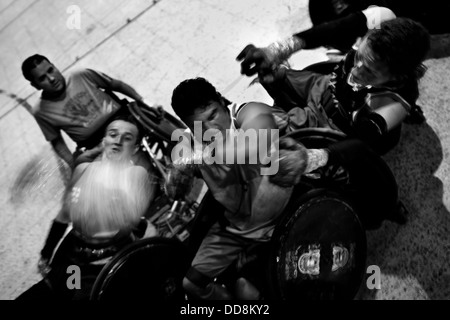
x,y
89,155
293,160
44,267
94,152
257,60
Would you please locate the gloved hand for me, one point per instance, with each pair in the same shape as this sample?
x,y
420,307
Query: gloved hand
x,y
265,61
257,60
293,161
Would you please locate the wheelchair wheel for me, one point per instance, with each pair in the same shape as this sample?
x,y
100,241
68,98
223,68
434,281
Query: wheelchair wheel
x,y
330,176
151,269
318,250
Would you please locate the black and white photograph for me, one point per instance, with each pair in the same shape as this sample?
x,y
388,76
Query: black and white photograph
x,y
248,151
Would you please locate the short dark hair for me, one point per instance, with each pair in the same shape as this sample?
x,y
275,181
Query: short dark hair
x,y
402,44
30,63
194,94
130,119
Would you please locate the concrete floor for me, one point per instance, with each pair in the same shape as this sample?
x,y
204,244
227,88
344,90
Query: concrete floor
x,y
153,45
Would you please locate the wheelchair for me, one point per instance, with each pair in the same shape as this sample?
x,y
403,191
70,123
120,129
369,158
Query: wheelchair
x,y
318,250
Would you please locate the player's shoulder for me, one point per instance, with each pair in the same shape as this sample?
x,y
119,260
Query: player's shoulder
x,y
80,72
252,108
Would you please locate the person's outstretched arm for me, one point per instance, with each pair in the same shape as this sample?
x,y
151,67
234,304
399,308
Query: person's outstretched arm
x,y
126,89
108,83
264,60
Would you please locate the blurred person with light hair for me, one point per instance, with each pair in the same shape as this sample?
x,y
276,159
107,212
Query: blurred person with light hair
x,y
105,204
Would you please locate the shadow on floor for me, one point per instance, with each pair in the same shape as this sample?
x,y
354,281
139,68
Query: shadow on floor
x,y
45,175
418,252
